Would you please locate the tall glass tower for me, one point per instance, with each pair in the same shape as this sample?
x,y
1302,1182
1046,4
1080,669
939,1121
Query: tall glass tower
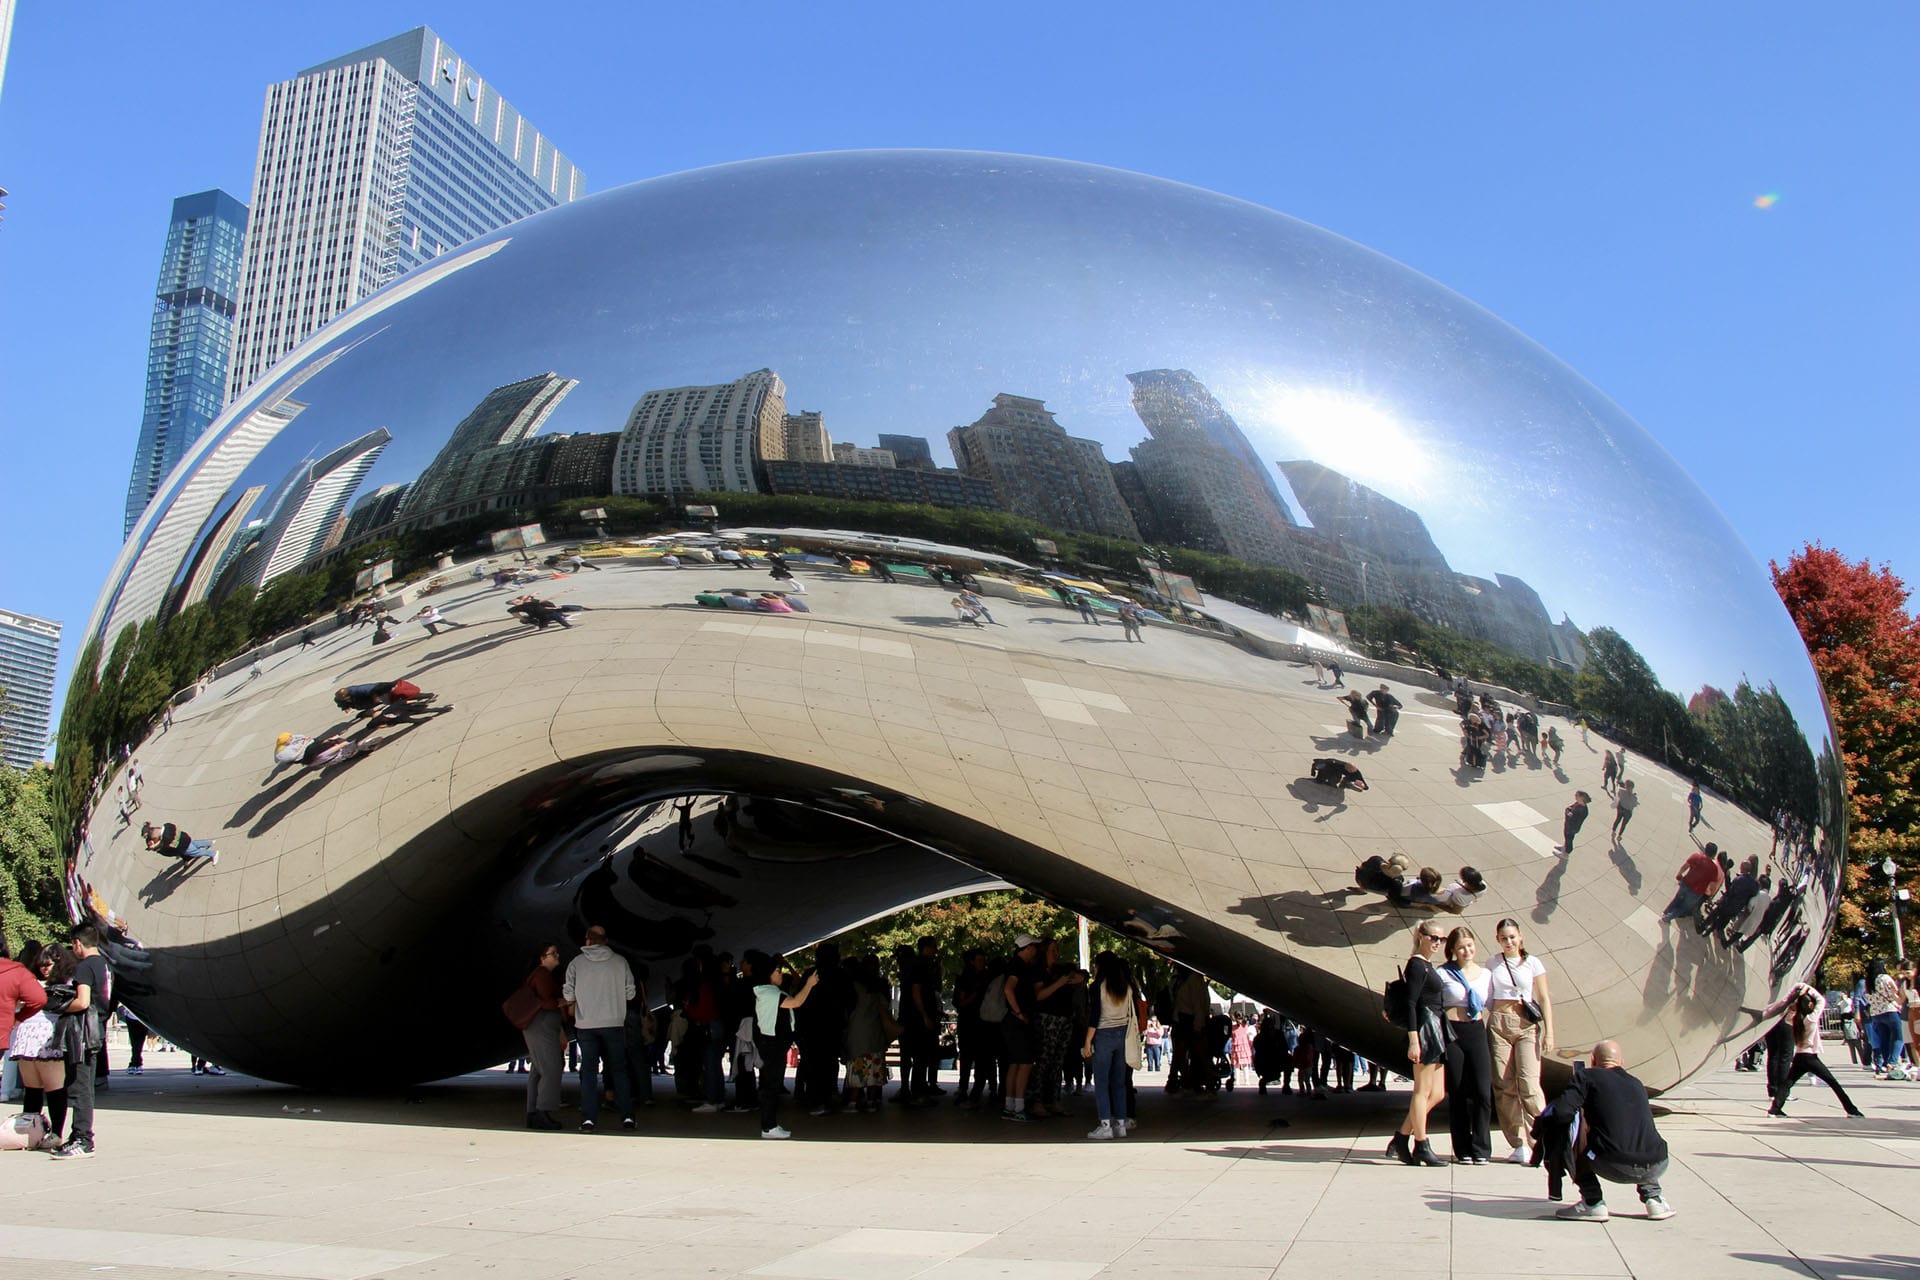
x,y
371,164
29,650
191,338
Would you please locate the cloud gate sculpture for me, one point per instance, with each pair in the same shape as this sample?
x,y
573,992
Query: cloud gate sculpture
x,y
1312,470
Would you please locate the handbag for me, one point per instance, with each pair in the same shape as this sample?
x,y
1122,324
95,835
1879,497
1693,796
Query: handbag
x,y
523,1006
1529,1007
1134,1057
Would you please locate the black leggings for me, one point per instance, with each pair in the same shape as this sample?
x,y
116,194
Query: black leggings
x,y
1809,1064
1470,1090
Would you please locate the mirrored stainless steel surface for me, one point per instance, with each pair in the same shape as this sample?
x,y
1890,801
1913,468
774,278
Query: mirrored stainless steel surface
x,y
1386,477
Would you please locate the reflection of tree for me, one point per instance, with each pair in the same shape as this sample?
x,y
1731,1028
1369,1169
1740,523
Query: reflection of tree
x,y
1383,628
1866,646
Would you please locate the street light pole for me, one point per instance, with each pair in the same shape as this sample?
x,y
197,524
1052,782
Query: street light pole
x,y
1893,903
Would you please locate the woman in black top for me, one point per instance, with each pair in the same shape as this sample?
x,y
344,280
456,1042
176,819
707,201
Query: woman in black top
x,y
1426,1045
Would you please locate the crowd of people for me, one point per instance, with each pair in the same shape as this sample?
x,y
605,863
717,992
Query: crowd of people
x,y
54,1003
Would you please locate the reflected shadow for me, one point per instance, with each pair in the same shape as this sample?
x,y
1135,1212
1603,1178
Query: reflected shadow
x,y
1628,868
1881,1266
1547,896
1347,743
1312,919
170,878
1314,798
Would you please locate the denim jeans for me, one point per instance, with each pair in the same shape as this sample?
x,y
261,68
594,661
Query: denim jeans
x,y
1110,1072
713,1052
1685,903
1883,1033
1152,1055
1587,1174
595,1043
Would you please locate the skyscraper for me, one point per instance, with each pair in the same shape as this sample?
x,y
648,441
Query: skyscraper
x,y
1207,486
1040,471
29,650
506,415
806,437
909,451
369,165
703,439
854,455
306,519
191,337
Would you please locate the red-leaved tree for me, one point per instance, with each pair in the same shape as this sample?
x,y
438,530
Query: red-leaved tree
x,y
1866,649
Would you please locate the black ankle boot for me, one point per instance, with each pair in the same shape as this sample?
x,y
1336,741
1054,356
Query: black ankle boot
x,y
1423,1154
1399,1150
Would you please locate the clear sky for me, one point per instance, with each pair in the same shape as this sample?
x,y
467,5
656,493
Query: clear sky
x,y
1589,177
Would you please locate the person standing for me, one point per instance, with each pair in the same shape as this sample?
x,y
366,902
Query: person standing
x,y
975,1057
1111,1021
599,984
432,619
1085,605
1466,990
1520,1022
36,1047
1618,1140
1694,804
1420,1012
21,997
821,1032
1804,1008
1129,622
773,1031
1885,1011
1386,711
1609,771
1019,1029
92,989
1054,997
1624,803
1574,818
544,1036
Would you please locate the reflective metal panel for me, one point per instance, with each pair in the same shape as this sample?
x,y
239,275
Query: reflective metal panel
x,y
1314,470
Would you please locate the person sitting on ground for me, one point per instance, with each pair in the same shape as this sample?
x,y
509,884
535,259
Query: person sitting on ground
x,y
772,602
170,841
1456,897
737,600
1342,775
1385,876
386,701
1617,1142
965,612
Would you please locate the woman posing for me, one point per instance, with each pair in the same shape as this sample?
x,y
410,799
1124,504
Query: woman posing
x,y
1520,1022
1466,987
38,1046
1111,1016
1426,1044
1804,1008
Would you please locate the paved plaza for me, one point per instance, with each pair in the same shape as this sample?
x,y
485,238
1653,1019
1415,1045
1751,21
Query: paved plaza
x,y
232,1177
1171,770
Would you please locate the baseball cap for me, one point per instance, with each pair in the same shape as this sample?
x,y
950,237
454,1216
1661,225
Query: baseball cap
x,y
1025,940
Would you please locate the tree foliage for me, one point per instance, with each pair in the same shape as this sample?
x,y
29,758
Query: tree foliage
x,y
1866,648
30,864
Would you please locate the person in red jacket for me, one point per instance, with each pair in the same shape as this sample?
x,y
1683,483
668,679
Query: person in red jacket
x,y
21,995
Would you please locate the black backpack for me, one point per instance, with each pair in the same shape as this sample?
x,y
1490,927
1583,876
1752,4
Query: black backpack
x,y
1393,1001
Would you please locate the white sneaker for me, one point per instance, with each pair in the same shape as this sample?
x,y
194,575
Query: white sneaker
x,y
1520,1155
775,1132
1658,1210
707,1109
1101,1132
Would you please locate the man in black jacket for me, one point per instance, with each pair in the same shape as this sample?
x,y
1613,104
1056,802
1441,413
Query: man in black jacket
x,y
1617,1140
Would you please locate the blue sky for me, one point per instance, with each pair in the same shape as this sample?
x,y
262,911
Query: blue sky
x,y
1588,177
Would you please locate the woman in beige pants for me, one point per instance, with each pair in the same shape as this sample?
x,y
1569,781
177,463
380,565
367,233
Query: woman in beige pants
x,y
1519,1042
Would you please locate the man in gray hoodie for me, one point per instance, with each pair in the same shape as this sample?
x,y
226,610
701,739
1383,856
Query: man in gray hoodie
x,y
599,985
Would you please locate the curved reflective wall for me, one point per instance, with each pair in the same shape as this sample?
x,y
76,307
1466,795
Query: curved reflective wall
x,y
1180,448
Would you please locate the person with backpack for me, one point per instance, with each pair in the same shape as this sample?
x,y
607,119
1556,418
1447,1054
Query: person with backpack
x,y
1414,1003
537,1009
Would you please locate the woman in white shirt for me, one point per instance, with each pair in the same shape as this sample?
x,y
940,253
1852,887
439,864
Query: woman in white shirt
x,y
1465,991
1520,1041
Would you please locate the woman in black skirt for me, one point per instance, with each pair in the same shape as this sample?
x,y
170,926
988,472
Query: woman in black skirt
x,y
1426,1045
1468,986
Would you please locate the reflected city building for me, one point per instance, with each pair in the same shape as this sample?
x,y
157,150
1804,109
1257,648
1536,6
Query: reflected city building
x,y
1203,469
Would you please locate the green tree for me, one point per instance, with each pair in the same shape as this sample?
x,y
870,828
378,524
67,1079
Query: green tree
x,y
30,862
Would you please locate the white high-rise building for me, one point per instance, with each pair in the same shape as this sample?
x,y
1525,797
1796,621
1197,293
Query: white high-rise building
x,y
369,165
703,439
29,651
311,506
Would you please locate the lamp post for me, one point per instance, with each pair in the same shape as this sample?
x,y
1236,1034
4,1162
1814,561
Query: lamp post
x,y
1893,903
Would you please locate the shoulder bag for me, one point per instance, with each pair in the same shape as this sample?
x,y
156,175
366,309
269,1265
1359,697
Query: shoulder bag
x,y
523,1006
1529,1007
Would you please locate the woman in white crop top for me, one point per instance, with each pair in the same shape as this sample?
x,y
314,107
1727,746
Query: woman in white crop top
x,y
1519,1042
1464,993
